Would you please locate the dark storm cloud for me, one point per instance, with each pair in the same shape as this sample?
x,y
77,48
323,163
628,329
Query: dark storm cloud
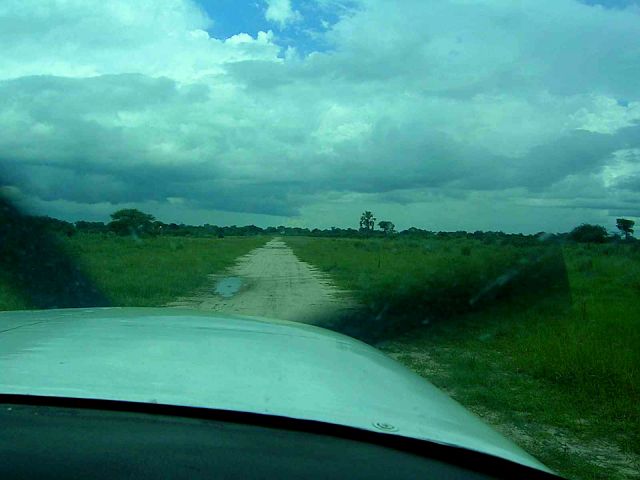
x,y
632,183
88,156
153,184
579,152
398,158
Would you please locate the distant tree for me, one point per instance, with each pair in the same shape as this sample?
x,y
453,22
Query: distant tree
x,y
586,233
625,226
158,227
367,221
54,225
251,230
387,227
130,221
90,227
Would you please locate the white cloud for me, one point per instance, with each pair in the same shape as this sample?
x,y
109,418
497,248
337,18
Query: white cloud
x,y
281,12
85,38
120,102
604,114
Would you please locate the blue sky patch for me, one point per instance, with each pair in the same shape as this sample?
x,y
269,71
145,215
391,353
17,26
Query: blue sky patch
x,y
231,17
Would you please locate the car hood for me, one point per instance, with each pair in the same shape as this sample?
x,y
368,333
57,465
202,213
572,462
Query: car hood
x,y
244,364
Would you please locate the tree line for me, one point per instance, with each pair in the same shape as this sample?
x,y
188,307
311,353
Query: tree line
x,y
588,233
133,222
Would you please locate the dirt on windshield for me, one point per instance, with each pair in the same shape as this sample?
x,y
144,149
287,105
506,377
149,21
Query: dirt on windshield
x,y
272,282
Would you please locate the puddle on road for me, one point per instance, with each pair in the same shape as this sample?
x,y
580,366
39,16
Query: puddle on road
x,y
227,287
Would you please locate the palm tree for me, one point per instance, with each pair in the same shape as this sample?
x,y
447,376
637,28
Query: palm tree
x,y
367,221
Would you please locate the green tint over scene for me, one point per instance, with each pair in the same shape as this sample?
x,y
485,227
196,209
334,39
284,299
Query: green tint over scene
x,y
456,184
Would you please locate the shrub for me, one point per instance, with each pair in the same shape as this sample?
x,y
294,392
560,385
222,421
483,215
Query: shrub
x,y
586,233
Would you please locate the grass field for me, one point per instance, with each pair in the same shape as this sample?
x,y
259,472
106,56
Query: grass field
x,y
146,272
560,378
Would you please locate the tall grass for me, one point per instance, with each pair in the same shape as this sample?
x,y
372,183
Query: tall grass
x,y
144,272
402,283
594,347
10,298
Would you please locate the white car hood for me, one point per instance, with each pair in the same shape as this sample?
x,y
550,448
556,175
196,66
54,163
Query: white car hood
x,y
188,358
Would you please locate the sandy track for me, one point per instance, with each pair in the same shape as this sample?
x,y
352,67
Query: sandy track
x,y
274,283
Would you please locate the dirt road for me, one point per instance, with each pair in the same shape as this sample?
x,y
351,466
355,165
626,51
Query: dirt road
x,y
271,281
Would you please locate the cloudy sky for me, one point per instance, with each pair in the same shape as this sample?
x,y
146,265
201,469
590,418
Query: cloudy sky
x,y
441,114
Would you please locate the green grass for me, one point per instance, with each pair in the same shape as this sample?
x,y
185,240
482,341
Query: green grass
x,y
561,380
409,282
146,272
10,299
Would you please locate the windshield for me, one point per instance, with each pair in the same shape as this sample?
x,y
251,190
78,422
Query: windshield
x,y
453,182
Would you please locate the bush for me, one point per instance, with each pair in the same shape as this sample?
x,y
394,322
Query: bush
x,y
586,233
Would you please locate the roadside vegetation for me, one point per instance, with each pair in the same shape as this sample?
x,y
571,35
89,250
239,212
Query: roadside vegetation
x,y
539,338
140,272
134,260
155,271
407,282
